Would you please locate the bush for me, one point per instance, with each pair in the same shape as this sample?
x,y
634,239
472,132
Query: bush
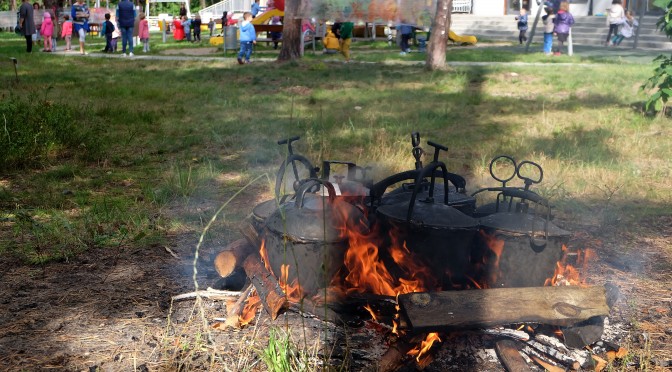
x,y
36,129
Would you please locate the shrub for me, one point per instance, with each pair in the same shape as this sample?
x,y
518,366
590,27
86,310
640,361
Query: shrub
x,y
35,129
661,80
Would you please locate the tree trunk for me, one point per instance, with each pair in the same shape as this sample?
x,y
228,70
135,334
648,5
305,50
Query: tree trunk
x,y
291,32
13,6
436,50
203,5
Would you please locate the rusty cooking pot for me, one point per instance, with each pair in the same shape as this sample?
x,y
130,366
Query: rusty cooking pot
x,y
532,245
437,232
266,208
308,235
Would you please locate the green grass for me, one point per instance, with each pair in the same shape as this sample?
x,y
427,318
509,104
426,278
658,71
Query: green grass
x,y
180,132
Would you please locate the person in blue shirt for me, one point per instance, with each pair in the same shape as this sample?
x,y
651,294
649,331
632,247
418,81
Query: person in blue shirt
x,y
248,38
522,25
80,22
255,8
406,32
126,21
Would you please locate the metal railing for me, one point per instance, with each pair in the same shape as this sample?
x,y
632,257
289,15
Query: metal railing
x,y
216,10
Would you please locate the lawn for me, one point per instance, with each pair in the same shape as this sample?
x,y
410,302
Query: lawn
x,y
150,149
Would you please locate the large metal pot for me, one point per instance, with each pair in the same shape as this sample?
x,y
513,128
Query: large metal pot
x,y
519,248
308,235
440,234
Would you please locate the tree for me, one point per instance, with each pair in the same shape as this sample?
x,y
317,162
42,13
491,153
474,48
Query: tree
x,y
436,50
291,32
661,81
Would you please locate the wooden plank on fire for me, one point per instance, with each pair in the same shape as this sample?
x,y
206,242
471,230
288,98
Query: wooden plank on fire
x,y
268,288
438,311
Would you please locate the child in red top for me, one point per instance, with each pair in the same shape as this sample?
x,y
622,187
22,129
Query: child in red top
x,y
143,32
66,31
47,30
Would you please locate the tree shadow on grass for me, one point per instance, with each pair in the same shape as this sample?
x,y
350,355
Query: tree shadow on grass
x,y
577,144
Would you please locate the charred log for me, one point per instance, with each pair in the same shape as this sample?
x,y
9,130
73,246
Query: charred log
x,y
508,352
272,297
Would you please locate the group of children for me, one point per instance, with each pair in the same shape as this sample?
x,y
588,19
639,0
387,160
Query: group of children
x,y
555,24
559,24
183,26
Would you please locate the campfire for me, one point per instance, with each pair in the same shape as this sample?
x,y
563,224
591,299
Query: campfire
x,y
415,255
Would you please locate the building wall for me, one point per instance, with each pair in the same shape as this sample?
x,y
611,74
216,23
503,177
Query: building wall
x,y
498,7
488,7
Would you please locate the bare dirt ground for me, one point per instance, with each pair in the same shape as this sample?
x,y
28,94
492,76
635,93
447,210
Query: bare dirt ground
x,y
111,310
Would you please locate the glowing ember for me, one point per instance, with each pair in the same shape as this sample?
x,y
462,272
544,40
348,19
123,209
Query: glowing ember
x,y
496,247
252,304
567,274
420,352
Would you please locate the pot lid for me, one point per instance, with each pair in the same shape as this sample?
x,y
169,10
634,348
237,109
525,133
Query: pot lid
x,y
431,214
405,191
265,209
317,220
523,223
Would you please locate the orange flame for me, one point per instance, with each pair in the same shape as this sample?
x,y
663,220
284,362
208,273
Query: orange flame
x,y
420,352
496,247
367,273
370,310
252,304
568,274
293,291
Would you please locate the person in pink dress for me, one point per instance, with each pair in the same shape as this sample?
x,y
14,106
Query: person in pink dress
x,y
178,30
143,32
66,32
47,30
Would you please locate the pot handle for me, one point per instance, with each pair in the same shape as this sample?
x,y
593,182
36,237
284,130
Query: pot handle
x,y
290,160
536,244
529,181
301,193
424,172
503,180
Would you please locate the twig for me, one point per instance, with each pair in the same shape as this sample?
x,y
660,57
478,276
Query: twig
x,y
170,251
213,294
232,314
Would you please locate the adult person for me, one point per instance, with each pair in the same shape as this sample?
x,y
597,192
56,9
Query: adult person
x,y
27,24
126,21
615,17
255,8
80,21
183,11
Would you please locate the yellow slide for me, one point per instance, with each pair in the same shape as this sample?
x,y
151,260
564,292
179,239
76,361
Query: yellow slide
x,y
262,18
464,39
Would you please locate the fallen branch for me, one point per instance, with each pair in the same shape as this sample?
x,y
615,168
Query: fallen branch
x,y
213,294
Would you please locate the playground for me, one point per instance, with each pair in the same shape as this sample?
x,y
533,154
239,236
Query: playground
x,y
113,167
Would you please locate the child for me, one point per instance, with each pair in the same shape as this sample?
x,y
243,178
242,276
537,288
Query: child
x,y
548,30
522,25
563,22
248,37
406,32
330,43
143,32
108,28
196,25
66,32
345,34
186,25
47,30
115,39
276,36
615,16
627,29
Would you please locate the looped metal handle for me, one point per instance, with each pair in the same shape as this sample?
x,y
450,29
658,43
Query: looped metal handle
x,y
529,181
289,140
431,168
415,139
492,171
290,160
301,193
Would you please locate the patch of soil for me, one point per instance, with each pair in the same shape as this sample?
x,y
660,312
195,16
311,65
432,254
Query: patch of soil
x,y
189,51
112,310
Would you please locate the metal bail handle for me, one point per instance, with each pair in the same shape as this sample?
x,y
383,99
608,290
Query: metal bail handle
x,y
301,193
281,171
529,181
513,174
430,168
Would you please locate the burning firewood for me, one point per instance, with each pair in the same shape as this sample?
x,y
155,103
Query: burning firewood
x,y
232,257
233,313
267,286
509,354
431,312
